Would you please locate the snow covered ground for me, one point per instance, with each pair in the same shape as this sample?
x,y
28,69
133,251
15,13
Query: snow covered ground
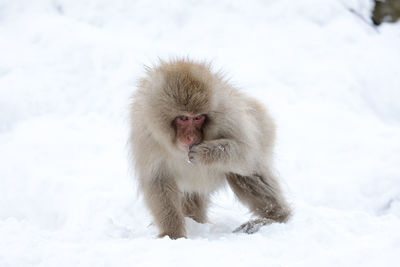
x,y
331,81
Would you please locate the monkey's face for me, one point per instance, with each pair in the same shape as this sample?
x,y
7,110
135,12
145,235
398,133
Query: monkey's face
x,y
189,130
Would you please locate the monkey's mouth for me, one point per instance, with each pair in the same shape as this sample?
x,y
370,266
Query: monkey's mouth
x,y
184,147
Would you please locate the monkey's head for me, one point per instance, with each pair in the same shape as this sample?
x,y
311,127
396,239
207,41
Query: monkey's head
x,y
179,97
189,129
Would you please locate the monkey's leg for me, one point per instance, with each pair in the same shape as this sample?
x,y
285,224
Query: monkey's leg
x,y
263,197
162,197
195,206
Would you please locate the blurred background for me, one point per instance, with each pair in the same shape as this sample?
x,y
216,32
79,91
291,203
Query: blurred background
x,y
328,71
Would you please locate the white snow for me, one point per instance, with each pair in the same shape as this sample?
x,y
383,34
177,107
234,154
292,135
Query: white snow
x,y
331,81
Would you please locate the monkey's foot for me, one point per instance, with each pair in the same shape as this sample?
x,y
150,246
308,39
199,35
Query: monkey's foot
x,y
172,235
252,226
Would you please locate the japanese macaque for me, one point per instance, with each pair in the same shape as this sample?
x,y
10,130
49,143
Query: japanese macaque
x,y
191,133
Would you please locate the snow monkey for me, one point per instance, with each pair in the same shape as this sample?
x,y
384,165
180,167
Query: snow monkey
x,y
191,133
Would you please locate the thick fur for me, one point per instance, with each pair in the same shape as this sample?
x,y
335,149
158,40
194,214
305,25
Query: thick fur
x,y
238,139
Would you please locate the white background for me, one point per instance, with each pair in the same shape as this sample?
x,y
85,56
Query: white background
x,y
330,80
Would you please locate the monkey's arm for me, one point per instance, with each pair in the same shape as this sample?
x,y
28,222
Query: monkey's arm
x,y
161,195
216,151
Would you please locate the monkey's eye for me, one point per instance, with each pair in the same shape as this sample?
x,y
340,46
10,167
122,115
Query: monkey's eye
x,y
200,117
182,118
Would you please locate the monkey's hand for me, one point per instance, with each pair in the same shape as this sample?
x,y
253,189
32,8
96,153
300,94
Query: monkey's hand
x,y
207,152
253,226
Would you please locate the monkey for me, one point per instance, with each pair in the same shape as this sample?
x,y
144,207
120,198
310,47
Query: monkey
x,y
386,11
192,133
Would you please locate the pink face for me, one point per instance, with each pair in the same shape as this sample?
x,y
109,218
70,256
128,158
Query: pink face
x,y
189,129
